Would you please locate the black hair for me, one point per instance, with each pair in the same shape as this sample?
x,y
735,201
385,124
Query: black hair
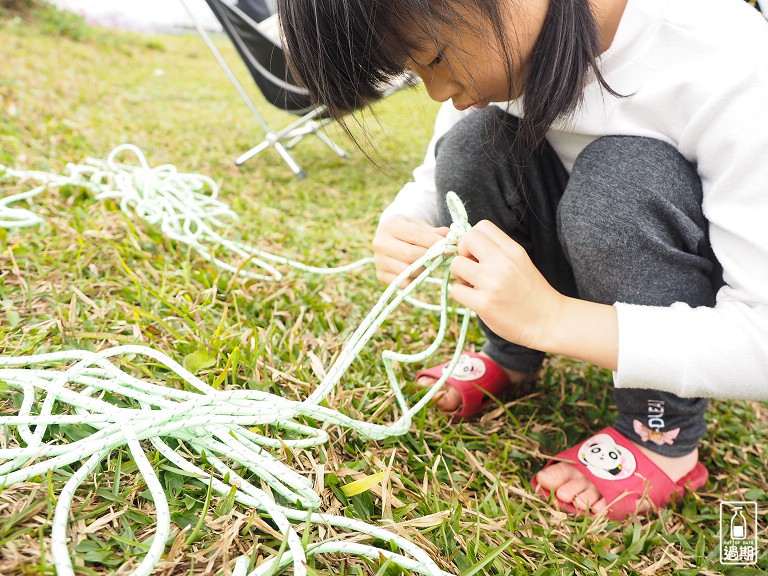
x,y
345,51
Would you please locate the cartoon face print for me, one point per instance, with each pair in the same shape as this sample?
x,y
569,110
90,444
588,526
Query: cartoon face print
x,y
468,369
606,459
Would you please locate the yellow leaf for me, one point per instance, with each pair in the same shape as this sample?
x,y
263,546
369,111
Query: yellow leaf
x,y
360,486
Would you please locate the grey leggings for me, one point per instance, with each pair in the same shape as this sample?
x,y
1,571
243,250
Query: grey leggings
x,y
625,226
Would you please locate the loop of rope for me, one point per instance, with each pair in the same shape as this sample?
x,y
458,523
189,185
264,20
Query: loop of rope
x,y
184,206
208,421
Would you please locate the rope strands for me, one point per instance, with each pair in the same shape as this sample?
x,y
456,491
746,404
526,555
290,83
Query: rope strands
x,y
87,389
185,207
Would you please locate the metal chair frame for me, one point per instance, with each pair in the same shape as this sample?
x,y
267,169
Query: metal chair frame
x,y
311,120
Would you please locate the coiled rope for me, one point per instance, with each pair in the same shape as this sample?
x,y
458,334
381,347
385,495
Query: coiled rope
x,y
66,389
185,206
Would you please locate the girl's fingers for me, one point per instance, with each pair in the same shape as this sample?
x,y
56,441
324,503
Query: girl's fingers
x,y
389,265
389,277
487,243
493,232
477,245
466,270
503,243
464,295
415,232
403,241
387,269
390,245
399,242
403,252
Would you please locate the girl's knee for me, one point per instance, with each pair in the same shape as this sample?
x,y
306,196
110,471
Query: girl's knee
x,y
631,224
637,163
625,188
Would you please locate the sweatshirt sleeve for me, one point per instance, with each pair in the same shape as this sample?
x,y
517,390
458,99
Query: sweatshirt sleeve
x,y
720,351
418,198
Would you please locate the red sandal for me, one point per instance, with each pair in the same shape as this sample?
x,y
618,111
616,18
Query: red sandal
x,y
477,378
623,475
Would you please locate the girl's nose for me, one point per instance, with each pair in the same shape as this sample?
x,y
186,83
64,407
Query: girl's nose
x,y
440,88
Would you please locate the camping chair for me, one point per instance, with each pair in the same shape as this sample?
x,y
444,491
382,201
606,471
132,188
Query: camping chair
x,y
258,10
259,45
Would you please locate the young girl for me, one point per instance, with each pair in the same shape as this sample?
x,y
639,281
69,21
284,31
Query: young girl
x,y
612,158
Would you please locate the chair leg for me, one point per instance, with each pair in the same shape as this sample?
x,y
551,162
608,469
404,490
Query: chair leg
x,y
293,134
291,143
252,152
280,150
331,144
289,160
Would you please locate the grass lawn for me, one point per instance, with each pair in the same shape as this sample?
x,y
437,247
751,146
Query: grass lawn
x,y
90,278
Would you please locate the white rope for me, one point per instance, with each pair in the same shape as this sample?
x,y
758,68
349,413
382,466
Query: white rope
x,y
184,206
215,422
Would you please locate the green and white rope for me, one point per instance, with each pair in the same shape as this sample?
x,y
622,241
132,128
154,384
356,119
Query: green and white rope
x,y
67,389
184,206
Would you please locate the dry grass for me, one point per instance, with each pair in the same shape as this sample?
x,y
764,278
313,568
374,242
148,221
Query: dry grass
x,y
91,278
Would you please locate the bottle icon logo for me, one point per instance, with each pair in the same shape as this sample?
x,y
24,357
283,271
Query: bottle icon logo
x,y
738,525
738,533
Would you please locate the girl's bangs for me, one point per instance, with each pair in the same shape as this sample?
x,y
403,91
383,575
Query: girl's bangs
x,y
346,52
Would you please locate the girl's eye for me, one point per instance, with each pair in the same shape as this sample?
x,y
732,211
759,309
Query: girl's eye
x,y
438,59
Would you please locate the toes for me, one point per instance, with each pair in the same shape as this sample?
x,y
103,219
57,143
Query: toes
x,y
644,506
569,491
554,476
447,399
587,499
570,485
450,399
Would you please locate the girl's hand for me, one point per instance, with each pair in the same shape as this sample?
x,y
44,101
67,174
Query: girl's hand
x,y
497,280
399,242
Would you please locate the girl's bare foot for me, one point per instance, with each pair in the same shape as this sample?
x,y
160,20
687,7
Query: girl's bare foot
x,y
449,399
570,485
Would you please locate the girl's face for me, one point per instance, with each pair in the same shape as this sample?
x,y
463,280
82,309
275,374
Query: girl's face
x,y
467,64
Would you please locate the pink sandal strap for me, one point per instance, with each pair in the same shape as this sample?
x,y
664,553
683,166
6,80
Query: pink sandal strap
x,y
476,378
623,474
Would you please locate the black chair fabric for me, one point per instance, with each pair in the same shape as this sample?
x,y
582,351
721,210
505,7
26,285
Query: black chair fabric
x,y
264,59
257,10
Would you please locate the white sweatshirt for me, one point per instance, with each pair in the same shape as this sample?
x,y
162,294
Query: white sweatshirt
x,y
697,75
